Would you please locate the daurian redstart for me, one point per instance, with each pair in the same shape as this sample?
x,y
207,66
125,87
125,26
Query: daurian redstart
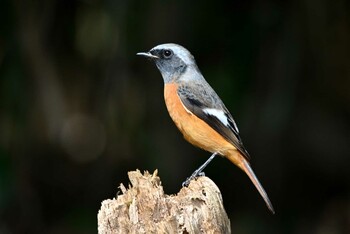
x,y
197,110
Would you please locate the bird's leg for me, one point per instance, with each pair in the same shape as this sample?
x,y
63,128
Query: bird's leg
x,y
199,171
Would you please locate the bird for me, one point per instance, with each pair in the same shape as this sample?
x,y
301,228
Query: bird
x,y
198,112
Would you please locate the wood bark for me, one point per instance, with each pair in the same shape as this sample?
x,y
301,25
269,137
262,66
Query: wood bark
x,y
144,208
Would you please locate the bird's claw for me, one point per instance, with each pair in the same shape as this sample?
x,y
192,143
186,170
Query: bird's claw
x,y
196,174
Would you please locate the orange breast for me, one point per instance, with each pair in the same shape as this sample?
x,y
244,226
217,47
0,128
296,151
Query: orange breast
x,y
195,130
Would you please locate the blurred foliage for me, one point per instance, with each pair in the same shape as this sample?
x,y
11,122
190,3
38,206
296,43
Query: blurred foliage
x,y
79,109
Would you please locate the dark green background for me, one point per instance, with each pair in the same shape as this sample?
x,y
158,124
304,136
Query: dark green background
x,y
79,109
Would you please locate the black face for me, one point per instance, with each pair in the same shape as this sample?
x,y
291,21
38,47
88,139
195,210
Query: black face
x,y
169,64
163,53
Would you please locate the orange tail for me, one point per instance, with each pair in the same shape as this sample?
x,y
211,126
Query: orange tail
x,y
244,165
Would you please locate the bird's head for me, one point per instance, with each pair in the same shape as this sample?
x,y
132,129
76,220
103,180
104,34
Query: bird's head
x,y
172,60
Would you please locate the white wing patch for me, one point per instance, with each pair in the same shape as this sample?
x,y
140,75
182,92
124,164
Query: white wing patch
x,y
219,114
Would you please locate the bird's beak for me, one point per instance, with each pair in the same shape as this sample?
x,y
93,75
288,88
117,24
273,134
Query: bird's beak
x,y
147,55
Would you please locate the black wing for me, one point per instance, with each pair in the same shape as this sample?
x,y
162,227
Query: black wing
x,y
199,102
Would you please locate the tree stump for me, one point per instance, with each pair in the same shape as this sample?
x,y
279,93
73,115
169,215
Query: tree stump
x,y
144,208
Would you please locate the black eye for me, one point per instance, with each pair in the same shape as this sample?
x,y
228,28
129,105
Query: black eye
x,y
167,53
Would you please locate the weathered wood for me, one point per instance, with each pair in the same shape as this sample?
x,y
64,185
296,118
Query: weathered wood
x,y
144,208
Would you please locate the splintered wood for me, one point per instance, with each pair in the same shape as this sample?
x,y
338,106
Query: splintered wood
x,y
144,208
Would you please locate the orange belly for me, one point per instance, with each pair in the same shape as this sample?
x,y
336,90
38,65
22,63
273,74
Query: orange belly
x,y
195,130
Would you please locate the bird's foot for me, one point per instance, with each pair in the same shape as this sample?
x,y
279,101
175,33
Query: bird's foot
x,y
193,176
199,171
